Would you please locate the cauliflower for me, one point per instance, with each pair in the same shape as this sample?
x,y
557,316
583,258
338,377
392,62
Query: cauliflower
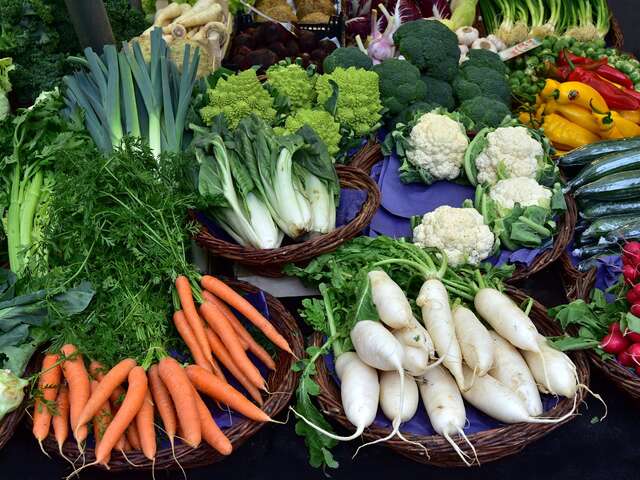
x,y
294,82
437,146
522,190
460,232
505,152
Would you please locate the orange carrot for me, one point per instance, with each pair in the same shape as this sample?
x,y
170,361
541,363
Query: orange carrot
x,y
178,385
223,328
101,419
211,433
163,402
60,421
79,389
183,287
48,384
97,370
146,431
220,351
186,333
228,295
133,400
209,384
126,446
115,377
245,337
132,436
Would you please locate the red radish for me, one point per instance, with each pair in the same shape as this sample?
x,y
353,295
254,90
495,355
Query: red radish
x,y
632,296
638,370
625,359
631,253
614,328
634,352
630,274
633,337
635,309
614,343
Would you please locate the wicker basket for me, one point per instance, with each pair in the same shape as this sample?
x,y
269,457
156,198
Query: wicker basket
x,y
577,284
491,444
271,261
282,383
10,422
615,37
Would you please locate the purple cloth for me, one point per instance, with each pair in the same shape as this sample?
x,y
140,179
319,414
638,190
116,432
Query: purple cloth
x,y
608,271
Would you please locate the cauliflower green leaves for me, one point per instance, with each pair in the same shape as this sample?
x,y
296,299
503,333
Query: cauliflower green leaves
x,y
11,392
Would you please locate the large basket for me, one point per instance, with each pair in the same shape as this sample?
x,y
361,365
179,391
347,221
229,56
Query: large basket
x,y
281,383
10,422
577,284
491,444
270,262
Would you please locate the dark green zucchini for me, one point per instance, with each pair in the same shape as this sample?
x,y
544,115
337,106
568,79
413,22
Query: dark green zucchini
x,y
604,225
597,249
628,232
603,209
617,186
611,163
588,153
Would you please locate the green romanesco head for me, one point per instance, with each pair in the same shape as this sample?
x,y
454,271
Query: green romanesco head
x,y
293,81
237,96
322,123
358,107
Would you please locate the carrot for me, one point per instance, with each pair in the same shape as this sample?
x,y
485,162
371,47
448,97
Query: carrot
x,y
144,424
60,421
79,389
211,433
186,333
48,384
101,419
116,398
133,400
228,295
133,437
177,383
163,402
183,287
220,351
245,337
223,328
97,370
115,377
209,384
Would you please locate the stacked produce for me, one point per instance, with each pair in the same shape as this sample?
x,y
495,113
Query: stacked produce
x,y
6,65
302,11
369,323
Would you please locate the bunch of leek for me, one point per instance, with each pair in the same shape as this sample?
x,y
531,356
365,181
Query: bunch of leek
x,y
120,93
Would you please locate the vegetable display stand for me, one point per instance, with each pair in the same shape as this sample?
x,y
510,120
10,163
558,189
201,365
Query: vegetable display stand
x,y
492,444
281,382
269,262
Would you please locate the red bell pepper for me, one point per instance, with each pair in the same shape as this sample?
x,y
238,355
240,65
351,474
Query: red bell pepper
x,y
600,66
616,98
614,75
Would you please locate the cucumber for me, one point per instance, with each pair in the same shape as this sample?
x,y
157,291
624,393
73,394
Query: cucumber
x,y
611,163
617,186
603,226
603,209
588,153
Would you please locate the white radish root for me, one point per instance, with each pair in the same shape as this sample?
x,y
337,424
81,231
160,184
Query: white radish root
x,y
416,336
474,339
390,301
390,400
562,378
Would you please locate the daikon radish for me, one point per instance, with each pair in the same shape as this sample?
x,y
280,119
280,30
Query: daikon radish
x,y
390,301
510,369
561,375
437,318
415,336
474,339
390,400
415,360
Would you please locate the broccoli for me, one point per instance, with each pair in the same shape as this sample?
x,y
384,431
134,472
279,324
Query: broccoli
x,y
400,84
479,57
481,81
430,46
439,92
484,112
416,110
345,58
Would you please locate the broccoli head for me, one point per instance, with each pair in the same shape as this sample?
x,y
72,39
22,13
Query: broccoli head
x,y
479,57
400,84
321,122
430,46
481,81
345,58
439,92
294,82
484,112
416,110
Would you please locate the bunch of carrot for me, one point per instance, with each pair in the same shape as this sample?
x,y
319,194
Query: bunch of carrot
x,y
123,418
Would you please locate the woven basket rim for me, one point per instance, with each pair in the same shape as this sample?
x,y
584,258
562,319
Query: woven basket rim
x,y
276,258
10,422
282,382
491,444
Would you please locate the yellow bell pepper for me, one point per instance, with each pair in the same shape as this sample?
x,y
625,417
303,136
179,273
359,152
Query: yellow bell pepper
x,y
550,88
564,133
614,133
633,115
583,117
576,93
627,127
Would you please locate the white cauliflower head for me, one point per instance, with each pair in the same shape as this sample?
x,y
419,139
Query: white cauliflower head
x,y
460,232
438,146
523,190
510,151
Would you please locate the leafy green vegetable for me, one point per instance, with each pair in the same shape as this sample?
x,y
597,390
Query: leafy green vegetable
x,y
11,392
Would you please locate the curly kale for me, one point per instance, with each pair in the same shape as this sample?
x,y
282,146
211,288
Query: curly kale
x,y
430,46
345,58
400,84
484,112
481,82
439,92
126,22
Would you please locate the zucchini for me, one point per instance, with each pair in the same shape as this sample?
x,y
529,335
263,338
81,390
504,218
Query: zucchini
x,y
630,231
603,209
617,186
597,249
588,153
611,163
603,226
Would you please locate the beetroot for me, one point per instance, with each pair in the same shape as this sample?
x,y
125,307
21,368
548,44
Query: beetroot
x,y
307,41
262,57
243,40
614,343
328,46
279,49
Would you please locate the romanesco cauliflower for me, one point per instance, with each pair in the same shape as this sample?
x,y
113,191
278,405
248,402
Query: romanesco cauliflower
x,y
237,96
522,190
294,82
438,144
322,123
460,232
358,107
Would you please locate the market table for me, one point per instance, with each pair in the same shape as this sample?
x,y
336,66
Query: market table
x,y
582,449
